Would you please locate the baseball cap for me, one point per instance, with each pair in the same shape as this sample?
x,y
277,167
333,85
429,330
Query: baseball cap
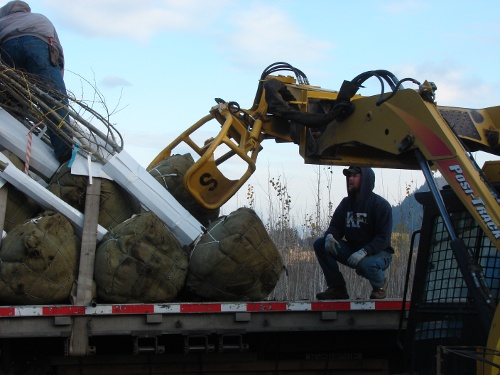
x,y
351,170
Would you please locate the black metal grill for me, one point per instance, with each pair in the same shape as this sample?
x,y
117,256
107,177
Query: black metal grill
x,y
443,312
445,283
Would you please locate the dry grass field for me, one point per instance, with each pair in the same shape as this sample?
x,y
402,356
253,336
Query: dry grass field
x,y
293,236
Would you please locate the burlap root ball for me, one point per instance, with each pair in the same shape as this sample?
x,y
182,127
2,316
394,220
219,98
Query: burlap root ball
x,y
170,174
39,261
235,260
140,261
115,205
20,207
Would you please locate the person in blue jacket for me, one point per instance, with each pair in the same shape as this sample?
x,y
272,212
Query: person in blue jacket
x,y
359,236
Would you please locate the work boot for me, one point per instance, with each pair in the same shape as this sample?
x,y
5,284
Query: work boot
x,y
334,292
379,293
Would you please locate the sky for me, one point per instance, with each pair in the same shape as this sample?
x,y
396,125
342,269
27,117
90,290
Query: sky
x,y
159,64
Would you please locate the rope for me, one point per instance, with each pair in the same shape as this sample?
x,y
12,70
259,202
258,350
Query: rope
x,y
162,176
210,234
208,242
28,148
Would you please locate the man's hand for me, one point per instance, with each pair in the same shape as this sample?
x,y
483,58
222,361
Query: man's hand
x,y
356,257
331,245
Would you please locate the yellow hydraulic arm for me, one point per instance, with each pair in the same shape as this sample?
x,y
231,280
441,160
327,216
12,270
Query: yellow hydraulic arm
x,y
382,131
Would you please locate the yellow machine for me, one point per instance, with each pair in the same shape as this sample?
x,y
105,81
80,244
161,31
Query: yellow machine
x,y
401,128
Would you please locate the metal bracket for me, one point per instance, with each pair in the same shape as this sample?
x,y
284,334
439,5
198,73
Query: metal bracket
x,y
148,345
197,344
232,343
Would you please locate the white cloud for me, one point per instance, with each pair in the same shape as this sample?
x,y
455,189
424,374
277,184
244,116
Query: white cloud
x,y
456,86
113,81
249,33
271,36
137,20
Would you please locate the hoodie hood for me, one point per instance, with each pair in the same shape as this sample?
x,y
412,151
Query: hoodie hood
x,y
14,7
367,183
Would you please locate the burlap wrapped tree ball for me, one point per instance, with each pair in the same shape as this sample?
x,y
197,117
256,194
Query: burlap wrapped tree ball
x,y
20,207
170,174
39,261
115,205
235,260
139,261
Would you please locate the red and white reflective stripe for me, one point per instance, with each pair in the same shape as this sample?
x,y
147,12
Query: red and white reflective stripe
x,y
199,308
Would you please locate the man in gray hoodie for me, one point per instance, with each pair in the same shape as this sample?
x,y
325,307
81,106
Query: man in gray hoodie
x,y
29,41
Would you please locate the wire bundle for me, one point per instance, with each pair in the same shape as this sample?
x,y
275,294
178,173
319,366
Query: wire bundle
x,y
382,75
283,66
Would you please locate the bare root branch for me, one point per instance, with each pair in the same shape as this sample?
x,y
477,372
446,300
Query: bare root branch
x,y
32,102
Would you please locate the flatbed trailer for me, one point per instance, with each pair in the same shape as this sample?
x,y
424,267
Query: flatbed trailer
x,y
350,336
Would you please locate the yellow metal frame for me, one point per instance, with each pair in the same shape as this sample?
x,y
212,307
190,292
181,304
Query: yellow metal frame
x,y
374,135
204,180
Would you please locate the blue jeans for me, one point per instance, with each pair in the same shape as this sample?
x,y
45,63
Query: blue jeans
x,y
371,267
32,54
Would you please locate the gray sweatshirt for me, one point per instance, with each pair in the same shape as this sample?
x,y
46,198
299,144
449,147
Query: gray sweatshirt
x,y
16,20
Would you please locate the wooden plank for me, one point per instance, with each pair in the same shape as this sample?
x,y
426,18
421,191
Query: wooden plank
x,y
79,341
84,293
3,208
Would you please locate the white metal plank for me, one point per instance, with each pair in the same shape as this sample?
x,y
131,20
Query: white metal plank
x,y
129,174
14,137
44,197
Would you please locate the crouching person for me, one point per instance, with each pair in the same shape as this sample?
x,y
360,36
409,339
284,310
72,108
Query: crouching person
x,y
359,236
